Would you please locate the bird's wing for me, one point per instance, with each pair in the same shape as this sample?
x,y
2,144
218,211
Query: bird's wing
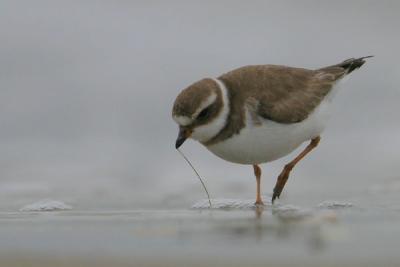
x,y
279,93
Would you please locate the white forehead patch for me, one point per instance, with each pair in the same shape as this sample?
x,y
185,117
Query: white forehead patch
x,y
182,120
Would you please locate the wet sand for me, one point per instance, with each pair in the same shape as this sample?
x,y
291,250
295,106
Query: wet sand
x,y
332,234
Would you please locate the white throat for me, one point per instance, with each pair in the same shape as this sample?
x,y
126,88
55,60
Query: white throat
x,y
205,132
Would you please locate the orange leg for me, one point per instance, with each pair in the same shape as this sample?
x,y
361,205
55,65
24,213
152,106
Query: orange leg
x,y
283,177
257,173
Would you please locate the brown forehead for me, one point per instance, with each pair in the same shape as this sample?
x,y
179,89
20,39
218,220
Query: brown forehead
x,y
190,98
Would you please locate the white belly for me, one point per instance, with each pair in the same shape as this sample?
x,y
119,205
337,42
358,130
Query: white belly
x,y
270,141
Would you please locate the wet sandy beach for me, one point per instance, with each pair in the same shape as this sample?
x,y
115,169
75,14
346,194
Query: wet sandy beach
x,y
331,234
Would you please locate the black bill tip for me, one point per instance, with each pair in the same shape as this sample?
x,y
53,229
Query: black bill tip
x,y
182,136
179,141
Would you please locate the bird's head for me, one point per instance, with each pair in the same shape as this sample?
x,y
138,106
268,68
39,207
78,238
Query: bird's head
x,y
200,111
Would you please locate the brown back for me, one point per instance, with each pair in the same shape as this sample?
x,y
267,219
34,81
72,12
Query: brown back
x,y
278,93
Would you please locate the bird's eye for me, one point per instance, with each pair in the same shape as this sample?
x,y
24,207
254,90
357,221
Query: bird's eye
x,y
204,114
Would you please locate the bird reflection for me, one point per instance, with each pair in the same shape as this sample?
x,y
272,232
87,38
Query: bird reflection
x,y
265,224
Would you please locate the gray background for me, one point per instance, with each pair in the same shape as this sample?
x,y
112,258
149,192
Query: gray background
x,y
86,90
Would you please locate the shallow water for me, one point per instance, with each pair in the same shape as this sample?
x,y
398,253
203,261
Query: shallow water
x,y
330,234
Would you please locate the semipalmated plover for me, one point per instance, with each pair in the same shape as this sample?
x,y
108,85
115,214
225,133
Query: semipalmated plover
x,y
257,114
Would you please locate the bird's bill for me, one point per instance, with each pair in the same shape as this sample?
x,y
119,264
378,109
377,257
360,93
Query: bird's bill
x,y
182,136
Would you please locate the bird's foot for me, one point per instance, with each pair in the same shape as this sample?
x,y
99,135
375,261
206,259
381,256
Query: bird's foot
x,y
259,202
275,196
280,183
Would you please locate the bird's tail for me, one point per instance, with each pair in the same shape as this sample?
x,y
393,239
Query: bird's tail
x,y
351,64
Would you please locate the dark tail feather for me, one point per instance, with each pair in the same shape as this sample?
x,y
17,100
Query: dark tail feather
x,y
352,63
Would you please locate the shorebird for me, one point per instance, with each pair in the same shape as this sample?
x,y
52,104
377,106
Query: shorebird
x,y
260,113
